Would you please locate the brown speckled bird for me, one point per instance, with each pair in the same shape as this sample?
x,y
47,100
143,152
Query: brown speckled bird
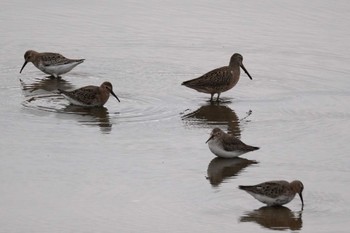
x,y
274,193
50,63
219,80
90,96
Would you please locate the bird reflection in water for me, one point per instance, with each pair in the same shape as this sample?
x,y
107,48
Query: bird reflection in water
x,y
41,94
42,86
91,116
220,169
275,218
215,114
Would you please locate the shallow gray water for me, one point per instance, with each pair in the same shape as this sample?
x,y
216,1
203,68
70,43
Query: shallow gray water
x,y
142,165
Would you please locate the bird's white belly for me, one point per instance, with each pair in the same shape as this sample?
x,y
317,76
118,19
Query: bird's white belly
x,y
78,103
281,200
219,151
58,69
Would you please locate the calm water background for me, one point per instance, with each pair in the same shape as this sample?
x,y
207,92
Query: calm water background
x,y
142,165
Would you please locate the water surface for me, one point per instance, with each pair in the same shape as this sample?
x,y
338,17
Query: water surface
x,y
142,165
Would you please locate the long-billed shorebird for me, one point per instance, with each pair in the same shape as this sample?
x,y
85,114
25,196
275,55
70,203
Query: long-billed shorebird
x,y
50,63
274,193
219,80
227,146
90,96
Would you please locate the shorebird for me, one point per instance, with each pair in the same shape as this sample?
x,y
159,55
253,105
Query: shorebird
x,y
50,63
90,96
227,146
219,80
274,193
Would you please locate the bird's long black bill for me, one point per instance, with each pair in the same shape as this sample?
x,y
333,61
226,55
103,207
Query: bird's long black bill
x,y
25,63
115,95
301,198
246,71
211,137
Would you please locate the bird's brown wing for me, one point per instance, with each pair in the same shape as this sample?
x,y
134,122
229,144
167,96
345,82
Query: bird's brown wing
x,y
273,188
217,77
85,95
231,143
49,59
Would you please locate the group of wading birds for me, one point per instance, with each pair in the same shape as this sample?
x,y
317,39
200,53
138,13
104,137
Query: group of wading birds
x,y
272,193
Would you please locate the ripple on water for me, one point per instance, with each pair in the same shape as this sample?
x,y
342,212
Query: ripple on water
x,y
132,109
58,104
139,109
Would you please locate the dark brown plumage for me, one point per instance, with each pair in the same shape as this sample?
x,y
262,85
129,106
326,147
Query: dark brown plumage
x,y
278,192
219,80
90,96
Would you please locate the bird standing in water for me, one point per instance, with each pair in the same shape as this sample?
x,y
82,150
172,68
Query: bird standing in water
x,y
227,146
50,63
274,193
90,96
219,80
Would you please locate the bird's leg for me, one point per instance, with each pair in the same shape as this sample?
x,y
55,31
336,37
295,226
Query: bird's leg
x,y
217,99
211,97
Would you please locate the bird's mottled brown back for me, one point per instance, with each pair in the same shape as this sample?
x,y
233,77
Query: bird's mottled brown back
x,y
86,95
216,80
272,188
231,143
